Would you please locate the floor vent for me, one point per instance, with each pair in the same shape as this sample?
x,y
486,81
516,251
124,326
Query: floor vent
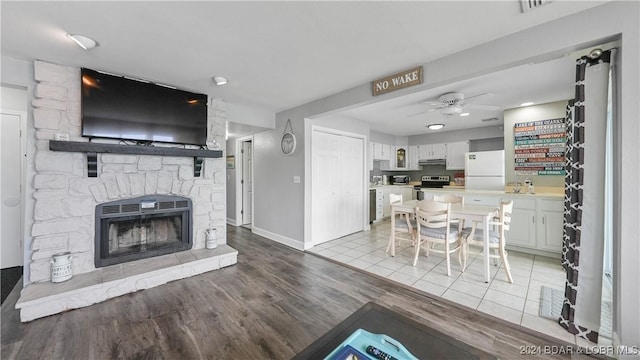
x,y
528,5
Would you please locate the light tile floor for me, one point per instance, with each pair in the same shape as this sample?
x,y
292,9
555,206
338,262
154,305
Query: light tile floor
x,y
518,302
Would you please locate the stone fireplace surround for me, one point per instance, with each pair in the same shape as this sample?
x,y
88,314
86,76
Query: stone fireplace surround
x,y
65,202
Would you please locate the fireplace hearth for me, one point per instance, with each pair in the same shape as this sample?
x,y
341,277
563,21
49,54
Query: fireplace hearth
x,y
142,227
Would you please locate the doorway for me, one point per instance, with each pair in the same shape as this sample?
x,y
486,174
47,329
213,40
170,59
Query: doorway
x,y
245,183
12,149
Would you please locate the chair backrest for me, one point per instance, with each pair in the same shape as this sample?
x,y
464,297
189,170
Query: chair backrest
x,y
505,214
395,198
449,198
433,214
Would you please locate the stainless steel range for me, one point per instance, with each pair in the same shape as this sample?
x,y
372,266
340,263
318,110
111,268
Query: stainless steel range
x,y
430,181
435,181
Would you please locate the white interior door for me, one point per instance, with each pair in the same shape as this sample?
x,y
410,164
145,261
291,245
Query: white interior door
x,y
10,190
337,171
247,182
352,183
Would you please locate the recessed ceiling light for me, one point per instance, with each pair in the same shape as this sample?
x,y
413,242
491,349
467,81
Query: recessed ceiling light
x,y
464,114
219,80
526,103
435,126
84,42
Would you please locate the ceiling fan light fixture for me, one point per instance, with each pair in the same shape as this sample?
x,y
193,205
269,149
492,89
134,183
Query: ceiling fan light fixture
x,y
219,80
451,110
84,42
435,126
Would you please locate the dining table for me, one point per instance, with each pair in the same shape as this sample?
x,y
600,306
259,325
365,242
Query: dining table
x,y
480,213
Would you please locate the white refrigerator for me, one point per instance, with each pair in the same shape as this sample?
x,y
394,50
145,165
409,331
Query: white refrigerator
x,y
484,170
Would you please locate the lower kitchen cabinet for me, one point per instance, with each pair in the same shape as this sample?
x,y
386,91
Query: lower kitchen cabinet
x,y
537,224
383,206
522,230
550,225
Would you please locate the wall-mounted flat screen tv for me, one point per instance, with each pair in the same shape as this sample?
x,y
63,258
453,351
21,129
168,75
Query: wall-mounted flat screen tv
x,y
120,108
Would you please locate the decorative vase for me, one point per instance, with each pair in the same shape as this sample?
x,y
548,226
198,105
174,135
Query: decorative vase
x,y
212,238
61,267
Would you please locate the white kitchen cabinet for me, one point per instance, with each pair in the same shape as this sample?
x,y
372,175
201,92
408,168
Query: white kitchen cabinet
x,y
400,160
550,224
382,151
383,205
432,151
537,224
455,155
379,204
522,230
413,158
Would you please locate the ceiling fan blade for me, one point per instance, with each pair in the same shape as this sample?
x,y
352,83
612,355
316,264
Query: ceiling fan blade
x,y
482,107
422,112
476,96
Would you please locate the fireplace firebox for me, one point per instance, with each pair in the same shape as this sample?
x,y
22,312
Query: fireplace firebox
x,y
141,227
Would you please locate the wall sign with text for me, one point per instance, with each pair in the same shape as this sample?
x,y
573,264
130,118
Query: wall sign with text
x,y
539,147
397,81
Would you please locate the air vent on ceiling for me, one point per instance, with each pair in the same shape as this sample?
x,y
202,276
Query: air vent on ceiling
x,y
532,4
490,119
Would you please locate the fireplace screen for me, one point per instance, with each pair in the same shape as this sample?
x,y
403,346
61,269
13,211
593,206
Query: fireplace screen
x,y
143,227
143,234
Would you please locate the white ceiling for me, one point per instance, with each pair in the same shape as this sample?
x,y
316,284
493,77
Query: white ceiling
x,y
278,55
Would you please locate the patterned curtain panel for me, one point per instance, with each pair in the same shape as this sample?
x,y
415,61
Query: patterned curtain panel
x,y
583,248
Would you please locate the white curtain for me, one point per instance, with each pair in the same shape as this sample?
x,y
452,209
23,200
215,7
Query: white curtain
x,y
584,235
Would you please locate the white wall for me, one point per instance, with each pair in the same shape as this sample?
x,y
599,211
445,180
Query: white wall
x,y
548,111
486,132
279,205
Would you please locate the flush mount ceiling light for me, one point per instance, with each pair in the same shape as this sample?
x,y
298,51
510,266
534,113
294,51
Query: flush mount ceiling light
x,y
526,103
219,80
84,42
435,126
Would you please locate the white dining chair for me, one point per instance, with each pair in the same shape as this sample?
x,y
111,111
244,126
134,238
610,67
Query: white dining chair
x,y
472,236
404,225
434,228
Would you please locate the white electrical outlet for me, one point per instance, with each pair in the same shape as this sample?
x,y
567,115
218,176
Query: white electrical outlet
x,y
296,179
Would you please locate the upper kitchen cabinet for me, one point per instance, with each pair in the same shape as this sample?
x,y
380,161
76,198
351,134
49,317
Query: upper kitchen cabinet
x,y
455,155
401,157
432,152
412,159
381,151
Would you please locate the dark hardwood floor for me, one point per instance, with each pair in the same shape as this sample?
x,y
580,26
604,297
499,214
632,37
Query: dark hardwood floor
x,y
272,304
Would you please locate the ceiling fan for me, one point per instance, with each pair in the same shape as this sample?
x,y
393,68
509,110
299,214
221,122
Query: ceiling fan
x,y
453,103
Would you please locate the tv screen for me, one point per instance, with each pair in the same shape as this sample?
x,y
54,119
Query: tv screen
x,y
120,108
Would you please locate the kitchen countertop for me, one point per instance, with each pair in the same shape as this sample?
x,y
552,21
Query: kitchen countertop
x,y
552,193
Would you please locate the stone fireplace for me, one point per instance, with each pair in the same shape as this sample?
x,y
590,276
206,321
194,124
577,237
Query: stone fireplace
x,y
164,208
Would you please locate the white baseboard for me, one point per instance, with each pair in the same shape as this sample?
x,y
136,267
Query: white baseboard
x,y
232,222
298,245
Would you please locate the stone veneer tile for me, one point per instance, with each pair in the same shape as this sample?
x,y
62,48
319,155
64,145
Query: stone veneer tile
x,y
39,300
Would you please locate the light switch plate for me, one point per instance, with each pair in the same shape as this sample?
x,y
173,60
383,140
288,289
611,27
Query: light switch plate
x,y
296,179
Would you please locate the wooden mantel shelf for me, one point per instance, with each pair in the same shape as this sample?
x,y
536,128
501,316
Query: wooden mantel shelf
x,y
92,149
